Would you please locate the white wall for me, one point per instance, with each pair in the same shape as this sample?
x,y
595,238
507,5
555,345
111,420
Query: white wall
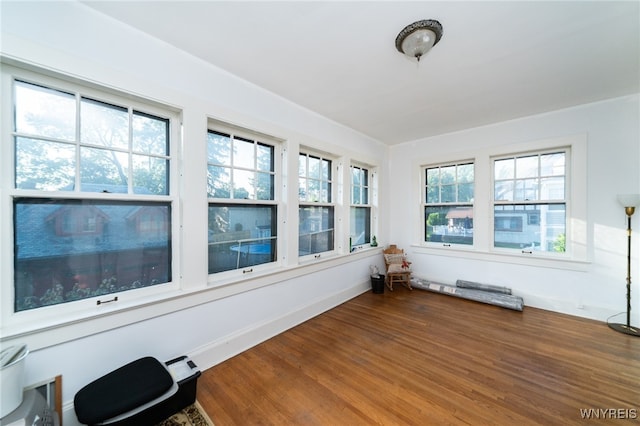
x,y
595,289
76,41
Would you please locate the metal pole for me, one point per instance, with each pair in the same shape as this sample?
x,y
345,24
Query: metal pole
x,y
628,270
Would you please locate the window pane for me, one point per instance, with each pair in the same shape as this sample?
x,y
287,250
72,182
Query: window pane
x,y
465,173
218,148
150,135
356,195
448,193
74,249
450,224
326,170
302,165
243,185
104,125
450,184
315,232
356,176
526,189
244,178
303,193
265,158
241,236
552,164
433,176
47,166
503,190
360,219
539,227
552,188
45,112
465,192
150,175
359,185
314,167
244,153
218,182
103,170
447,175
325,196
433,194
526,167
504,169
265,186
317,186
313,188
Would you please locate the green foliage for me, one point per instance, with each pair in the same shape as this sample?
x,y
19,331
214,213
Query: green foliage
x,y
436,218
55,294
560,243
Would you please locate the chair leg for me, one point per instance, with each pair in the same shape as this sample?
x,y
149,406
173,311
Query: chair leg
x,y
388,282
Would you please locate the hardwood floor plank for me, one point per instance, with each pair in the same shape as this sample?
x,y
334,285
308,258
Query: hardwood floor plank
x,y
415,357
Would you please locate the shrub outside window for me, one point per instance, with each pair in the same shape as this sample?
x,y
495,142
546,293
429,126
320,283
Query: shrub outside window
x,y
529,202
448,209
315,209
242,205
67,244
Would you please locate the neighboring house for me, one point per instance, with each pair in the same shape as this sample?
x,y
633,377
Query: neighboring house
x,y
56,244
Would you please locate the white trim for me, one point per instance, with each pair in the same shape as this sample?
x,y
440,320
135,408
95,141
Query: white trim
x,y
220,350
74,325
13,322
576,254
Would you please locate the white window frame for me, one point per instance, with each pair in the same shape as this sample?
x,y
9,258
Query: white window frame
x,y
576,256
239,274
332,203
73,311
369,188
425,204
566,201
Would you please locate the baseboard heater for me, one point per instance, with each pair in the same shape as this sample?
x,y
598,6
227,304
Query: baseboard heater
x,y
484,293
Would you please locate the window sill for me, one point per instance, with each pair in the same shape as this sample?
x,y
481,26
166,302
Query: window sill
x,y
271,275
527,259
92,319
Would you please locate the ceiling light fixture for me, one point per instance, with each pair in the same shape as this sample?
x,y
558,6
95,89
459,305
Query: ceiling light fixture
x,y
417,39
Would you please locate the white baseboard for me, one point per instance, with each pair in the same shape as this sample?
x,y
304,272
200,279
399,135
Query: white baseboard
x,y
218,351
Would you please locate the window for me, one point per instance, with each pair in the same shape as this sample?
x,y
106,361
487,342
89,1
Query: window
x,y
360,211
70,243
448,208
529,207
68,142
529,201
242,202
315,208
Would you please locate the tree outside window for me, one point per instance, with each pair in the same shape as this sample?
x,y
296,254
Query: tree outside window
x,y
71,248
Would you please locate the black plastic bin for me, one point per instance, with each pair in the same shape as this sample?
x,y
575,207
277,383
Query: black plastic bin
x,y
141,393
377,284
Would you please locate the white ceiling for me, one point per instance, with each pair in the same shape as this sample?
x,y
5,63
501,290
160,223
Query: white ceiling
x,y
496,60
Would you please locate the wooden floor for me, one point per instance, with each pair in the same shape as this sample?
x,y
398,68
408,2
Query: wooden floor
x,y
420,358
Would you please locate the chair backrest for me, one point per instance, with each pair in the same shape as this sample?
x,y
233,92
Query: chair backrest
x,y
392,254
393,249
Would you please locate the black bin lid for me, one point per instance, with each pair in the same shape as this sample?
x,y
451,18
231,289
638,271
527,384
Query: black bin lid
x,y
122,390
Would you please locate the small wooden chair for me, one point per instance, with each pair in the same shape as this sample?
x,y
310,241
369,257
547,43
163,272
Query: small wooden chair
x,y
397,266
